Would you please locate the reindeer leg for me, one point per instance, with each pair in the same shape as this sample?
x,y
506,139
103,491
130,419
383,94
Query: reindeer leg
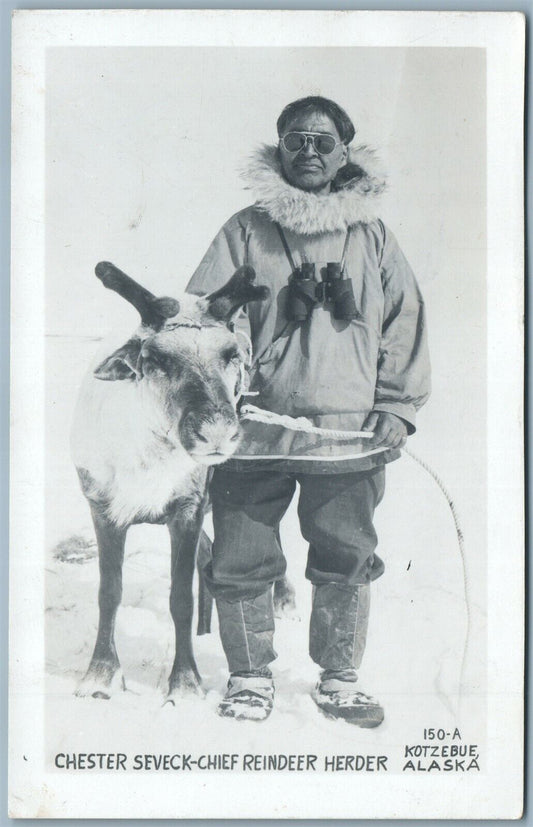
x,y
104,675
205,599
184,529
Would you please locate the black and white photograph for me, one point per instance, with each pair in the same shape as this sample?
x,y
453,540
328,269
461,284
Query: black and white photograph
x,y
267,298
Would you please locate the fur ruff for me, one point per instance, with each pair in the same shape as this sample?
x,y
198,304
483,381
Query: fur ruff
x,y
353,198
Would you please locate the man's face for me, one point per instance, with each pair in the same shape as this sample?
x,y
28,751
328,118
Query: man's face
x,y
307,169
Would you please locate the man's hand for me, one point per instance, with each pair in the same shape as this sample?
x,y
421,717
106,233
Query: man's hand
x,y
389,430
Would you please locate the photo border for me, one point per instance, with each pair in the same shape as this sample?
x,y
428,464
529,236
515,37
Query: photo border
x,y
514,197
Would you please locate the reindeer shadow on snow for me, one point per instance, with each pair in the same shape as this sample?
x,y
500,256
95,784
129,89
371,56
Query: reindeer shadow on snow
x,y
150,423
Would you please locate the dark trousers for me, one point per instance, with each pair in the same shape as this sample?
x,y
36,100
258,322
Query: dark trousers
x,y
336,518
336,513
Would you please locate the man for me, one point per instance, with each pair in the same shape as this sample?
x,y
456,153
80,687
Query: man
x,y
348,358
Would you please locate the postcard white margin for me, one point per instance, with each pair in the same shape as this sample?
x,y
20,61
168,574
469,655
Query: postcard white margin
x,y
495,793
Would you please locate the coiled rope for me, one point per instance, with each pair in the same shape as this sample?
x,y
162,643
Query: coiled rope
x,y
303,425
461,543
299,423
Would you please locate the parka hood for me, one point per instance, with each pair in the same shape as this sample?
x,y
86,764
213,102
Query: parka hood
x,y
353,197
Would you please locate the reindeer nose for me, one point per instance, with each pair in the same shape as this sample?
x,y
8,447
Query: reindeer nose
x,y
210,438
217,433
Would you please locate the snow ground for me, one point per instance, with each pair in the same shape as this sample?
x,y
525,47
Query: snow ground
x,y
414,652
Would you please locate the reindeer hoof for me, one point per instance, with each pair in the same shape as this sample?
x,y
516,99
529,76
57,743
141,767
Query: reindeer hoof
x,y
183,686
98,683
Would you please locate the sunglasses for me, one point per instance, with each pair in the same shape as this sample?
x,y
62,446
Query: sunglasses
x,y
295,141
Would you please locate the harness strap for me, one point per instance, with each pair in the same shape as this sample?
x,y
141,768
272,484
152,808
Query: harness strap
x,y
345,249
246,232
285,246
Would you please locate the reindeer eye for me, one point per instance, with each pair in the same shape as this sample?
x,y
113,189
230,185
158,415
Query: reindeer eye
x,y
149,367
231,356
154,361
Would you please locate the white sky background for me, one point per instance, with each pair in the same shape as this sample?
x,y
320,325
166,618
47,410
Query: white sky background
x,y
143,151
144,146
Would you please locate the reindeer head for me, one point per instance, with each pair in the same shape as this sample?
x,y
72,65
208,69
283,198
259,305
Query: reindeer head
x,y
187,360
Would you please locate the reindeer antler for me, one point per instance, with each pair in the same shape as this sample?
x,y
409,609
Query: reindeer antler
x,y
153,310
239,290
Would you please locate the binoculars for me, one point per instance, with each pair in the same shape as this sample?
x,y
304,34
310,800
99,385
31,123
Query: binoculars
x,y
305,292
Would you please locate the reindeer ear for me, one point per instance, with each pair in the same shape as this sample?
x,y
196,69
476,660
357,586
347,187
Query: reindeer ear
x,y
223,304
121,364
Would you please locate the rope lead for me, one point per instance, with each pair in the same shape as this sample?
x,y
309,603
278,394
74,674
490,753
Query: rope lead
x,y
460,540
303,425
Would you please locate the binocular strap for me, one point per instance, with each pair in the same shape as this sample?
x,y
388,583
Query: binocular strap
x,y
289,254
285,246
345,249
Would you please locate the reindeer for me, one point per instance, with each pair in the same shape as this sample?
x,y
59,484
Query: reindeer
x,y
150,422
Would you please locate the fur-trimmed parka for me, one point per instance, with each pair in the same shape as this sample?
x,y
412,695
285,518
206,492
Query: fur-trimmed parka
x,y
332,372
